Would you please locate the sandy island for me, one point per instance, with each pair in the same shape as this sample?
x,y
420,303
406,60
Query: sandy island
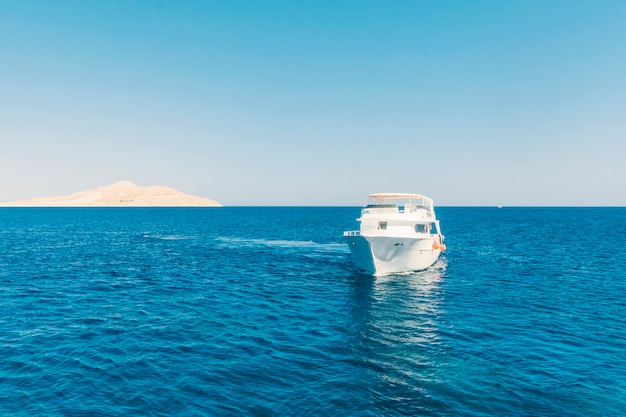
x,y
120,194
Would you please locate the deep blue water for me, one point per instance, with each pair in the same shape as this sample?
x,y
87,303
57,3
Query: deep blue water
x,y
258,311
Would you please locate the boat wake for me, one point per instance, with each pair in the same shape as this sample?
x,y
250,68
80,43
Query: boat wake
x,y
295,257
296,245
167,237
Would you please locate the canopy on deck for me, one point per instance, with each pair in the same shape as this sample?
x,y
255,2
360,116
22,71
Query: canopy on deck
x,y
392,196
400,198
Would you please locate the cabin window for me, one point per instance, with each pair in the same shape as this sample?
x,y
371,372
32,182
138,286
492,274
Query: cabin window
x,y
420,228
382,225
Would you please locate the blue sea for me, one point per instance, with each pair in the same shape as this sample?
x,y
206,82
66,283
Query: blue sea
x,y
258,311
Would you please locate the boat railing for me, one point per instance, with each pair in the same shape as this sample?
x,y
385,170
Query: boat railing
x,y
399,200
352,233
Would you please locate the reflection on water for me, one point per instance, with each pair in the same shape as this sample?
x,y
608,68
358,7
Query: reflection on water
x,y
396,340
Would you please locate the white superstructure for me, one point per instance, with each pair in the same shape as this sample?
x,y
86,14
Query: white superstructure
x,y
399,233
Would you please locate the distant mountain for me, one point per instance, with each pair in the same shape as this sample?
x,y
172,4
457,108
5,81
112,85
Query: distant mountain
x,y
120,194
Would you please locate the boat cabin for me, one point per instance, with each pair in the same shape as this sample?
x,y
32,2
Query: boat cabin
x,y
399,213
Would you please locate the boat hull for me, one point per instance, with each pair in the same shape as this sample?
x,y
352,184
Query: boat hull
x,y
383,255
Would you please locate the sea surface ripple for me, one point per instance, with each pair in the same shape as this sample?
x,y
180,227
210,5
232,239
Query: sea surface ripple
x,y
258,311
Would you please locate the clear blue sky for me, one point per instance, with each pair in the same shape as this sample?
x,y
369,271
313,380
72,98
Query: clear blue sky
x,y
317,102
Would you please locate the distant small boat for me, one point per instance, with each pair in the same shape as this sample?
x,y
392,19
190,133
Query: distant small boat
x,y
399,232
499,206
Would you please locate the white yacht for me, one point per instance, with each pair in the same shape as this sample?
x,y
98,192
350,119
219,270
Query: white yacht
x,y
399,233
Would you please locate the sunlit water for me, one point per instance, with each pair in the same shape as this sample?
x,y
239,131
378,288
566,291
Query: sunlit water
x,y
258,311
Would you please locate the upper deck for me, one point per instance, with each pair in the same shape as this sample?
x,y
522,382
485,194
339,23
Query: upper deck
x,y
397,214
390,200
393,204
